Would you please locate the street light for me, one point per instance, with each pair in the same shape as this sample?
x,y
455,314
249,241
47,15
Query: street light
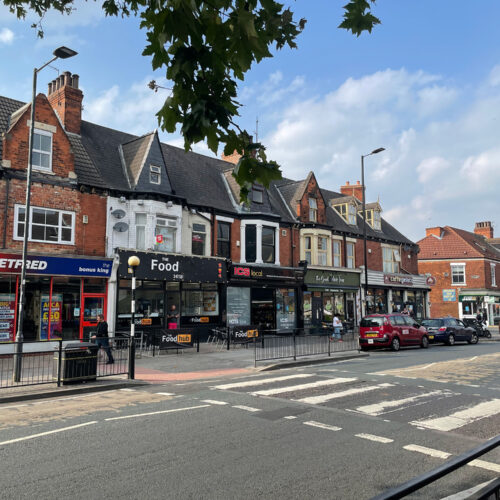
x,y
374,152
133,263
59,53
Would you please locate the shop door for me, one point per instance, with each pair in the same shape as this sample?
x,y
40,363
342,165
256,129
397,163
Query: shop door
x,y
317,311
92,305
263,308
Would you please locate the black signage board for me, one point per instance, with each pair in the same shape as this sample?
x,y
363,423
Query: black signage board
x,y
178,337
244,333
172,267
319,278
245,272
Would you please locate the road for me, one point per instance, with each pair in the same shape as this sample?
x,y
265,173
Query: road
x,y
336,430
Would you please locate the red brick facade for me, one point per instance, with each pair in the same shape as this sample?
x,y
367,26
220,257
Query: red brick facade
x,y
311,191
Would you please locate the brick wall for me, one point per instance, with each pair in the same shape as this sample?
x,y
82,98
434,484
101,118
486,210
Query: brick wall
x,y
91,237
312,191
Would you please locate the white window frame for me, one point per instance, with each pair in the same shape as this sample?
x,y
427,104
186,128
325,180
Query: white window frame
x,y
454,266
141,226
351,214
377,220
257,193
314,252
154,170
350,259
41,152
322,254
337,256
493,274
204,232
60,212
259,224
308,252
170,222
313,210
392,264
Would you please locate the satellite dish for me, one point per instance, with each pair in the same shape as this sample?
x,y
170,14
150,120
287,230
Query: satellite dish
x,y
118,213
121,227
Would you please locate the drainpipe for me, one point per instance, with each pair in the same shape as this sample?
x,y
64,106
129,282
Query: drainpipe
x,y
6,211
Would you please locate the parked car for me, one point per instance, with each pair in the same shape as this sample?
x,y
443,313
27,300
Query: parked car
x,y
449,331
391,330
481,330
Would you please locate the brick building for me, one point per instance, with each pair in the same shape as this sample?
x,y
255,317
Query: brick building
x,y
465,268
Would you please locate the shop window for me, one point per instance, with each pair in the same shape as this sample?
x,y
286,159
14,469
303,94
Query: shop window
x,y
198,239
140,231
350,255
173,305
250,243
328,307
238,306
458,274
224,239
166,227
313,210
200,302
308,249
154,174
285,308
307,309
391,259
337,253
322,250
42,150
47,225
268,248
8,287
149,303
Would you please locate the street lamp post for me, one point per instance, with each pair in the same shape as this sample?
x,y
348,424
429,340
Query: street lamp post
x,y
133,263
59,53
374,152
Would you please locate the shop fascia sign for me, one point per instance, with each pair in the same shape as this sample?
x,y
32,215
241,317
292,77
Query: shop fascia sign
x,y
263,273
395,279
55,266
323,278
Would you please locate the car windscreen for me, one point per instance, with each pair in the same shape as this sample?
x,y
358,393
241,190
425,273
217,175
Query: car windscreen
x,y
371,322
432,323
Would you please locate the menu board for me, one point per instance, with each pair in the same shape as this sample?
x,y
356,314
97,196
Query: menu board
x,y
238,306
55,317
7,317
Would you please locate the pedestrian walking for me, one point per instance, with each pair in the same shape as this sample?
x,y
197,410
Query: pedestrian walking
x,y
102,339
337,327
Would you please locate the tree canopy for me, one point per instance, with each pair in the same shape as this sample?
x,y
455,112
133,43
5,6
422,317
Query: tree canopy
x,y
206,47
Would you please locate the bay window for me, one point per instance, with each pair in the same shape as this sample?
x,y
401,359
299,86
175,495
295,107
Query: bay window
x,y
308,249
322,250
350,255
268,245
337,253
259,242
316,248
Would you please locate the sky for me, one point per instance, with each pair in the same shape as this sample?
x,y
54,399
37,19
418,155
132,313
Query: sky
x,y
425,85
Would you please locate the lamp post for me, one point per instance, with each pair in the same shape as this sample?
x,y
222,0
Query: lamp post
x,y
59,53
374,152
133,263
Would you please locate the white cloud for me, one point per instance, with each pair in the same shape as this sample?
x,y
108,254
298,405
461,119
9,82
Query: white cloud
x,y
6,36
431,167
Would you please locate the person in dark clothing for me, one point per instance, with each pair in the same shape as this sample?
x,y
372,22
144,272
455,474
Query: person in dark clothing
x,y
102,339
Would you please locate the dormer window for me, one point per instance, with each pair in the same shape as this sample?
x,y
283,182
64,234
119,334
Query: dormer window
x,y
42,150
313,210
348,212
154,175
257,195
373,218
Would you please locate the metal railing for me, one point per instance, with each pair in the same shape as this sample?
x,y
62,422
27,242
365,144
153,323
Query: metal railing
x,y
274,345
58,361
490,492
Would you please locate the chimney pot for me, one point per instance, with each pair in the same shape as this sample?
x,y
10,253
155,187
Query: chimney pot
x,y
358,183
347,183
484,229
76,81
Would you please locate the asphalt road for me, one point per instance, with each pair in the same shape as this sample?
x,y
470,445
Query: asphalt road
x,y
337,431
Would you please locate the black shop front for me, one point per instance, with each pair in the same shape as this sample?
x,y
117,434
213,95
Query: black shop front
x,y
268,297
172,292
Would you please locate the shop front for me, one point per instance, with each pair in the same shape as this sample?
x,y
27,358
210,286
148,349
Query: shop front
x,y
330,293
265,296
172,292
391,293
63,295
484,302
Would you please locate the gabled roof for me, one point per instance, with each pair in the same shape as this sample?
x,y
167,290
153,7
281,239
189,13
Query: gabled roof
x,y
135,153
456,244
7,108
340,200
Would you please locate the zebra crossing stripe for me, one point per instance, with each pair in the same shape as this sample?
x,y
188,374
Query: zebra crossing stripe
x,y
335,395
311,385
427,451
379,408
312,423
462,417
262,381
372,437
485,465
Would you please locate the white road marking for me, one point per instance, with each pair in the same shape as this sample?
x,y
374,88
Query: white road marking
x,y
301,387
372,437
262,381
156,412
485,465
427,451
246,408
379,408
128,390
213,402
349,392
312,423
290,417
461,418
165,393
33,436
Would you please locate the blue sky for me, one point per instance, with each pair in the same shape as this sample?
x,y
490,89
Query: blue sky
x,y
425,85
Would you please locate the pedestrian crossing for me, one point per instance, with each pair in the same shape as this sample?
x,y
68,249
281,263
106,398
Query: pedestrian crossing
x,y
434,409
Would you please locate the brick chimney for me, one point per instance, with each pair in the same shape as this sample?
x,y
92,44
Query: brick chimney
x,y
352,190
66,99
484,229
435,231
234,158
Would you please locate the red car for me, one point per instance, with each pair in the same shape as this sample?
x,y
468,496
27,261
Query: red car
x,y
391,330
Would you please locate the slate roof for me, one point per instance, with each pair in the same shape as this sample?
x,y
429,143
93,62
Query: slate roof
x,y
7,107
456,244
134,156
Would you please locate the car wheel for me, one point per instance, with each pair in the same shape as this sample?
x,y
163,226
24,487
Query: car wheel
x,y
395,345
425,342
451,339
473,339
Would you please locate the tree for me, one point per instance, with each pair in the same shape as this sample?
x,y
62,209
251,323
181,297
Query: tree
x,y
206,47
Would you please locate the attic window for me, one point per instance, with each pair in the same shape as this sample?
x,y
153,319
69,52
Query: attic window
x,y
257,196
348,212
154,175
42,150
373,218
313,210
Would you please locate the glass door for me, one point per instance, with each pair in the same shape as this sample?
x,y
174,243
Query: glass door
x,y
92,305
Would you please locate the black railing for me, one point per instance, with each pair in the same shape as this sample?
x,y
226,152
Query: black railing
x,y
274,344
489,492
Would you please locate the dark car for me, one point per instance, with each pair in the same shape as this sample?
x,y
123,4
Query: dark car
x,y
449,331
391,330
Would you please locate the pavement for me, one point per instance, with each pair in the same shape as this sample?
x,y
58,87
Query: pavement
x,y
211,362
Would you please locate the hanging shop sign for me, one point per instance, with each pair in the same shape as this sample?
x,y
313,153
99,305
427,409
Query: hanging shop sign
x,y
396,279
171,267
331,279
55,266
245,272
